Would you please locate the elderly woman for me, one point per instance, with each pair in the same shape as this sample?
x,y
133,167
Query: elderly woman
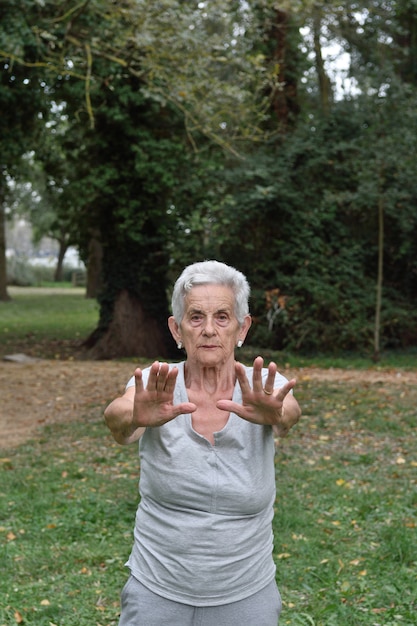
x,y
202,552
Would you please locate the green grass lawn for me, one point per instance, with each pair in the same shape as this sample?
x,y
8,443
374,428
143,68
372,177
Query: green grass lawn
x,y
345,520
67,507
345,515
46,323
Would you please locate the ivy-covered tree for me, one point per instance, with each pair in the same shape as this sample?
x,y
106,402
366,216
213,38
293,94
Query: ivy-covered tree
x,y
133,158
157,77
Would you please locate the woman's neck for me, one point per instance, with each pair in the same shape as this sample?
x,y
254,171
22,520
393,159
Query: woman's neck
x,y
211,379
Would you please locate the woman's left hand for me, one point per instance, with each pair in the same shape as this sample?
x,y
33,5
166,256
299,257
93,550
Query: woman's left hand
x,y
262,403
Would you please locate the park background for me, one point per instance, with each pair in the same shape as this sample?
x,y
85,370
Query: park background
x,y
278,137
275,136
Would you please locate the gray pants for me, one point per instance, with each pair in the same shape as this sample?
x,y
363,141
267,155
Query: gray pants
x,y
141,607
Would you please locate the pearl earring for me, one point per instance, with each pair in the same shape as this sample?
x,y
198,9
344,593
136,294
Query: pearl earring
x,y
239,343
179,345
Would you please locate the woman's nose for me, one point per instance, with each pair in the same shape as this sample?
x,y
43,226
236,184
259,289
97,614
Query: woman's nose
x,y
209,326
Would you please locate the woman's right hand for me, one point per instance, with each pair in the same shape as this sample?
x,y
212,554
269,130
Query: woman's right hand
x,y
153,405
138,408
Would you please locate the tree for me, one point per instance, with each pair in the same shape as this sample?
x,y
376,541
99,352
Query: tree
x,y
139,103
137,158
23,102
381,39
217,126
386,185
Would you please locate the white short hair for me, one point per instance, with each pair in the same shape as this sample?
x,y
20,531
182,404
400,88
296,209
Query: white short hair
x,y
211,273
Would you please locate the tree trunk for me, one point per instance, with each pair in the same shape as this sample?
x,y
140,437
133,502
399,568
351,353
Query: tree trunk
x,y
325,88
59,270
279,36
94,265
4,296
131,333
284,95
379,281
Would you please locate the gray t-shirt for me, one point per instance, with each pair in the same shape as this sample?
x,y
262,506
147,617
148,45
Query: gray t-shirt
x,y
203,532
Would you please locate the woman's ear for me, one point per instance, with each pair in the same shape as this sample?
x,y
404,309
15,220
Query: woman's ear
x,y
247,322
174,328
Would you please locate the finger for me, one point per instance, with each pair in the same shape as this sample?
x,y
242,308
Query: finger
x,y
270,379
184,408
153,376
257,374
285,389
171,380
229,406
242,378
162,377
138,379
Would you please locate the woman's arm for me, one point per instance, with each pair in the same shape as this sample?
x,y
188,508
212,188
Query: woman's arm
x,y
290,414
119,418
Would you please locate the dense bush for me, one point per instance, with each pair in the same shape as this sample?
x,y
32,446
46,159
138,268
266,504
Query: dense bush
x,y
22,273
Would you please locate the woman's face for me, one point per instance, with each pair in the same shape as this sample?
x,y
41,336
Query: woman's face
x,y
209,330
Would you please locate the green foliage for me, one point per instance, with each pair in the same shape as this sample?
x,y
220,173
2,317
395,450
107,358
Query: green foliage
x,y
196,61
132,157
304,221
23,100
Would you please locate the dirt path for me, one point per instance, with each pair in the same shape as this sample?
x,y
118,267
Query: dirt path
x,y
42,392
39,393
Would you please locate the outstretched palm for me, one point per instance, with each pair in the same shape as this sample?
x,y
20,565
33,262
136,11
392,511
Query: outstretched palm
x,y
153,405
261,403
